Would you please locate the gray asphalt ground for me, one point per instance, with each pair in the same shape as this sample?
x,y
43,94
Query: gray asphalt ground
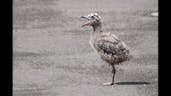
x,y
52,55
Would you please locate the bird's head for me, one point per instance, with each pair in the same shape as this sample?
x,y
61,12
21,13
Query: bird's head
x,y
93,19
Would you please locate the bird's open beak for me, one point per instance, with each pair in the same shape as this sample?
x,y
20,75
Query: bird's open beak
x,y
88,23
84,17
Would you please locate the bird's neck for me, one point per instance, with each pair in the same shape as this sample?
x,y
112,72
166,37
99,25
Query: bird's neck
x,y
97,28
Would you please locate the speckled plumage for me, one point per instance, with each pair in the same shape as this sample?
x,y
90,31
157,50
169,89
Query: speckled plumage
x,y
110,48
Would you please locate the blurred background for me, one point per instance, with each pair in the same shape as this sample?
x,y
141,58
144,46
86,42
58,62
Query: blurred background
x,y
52,55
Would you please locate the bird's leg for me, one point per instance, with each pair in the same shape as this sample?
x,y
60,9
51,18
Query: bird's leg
x,y
113,77
113,71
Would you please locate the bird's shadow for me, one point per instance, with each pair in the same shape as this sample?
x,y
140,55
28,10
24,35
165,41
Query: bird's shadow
x,y
133,83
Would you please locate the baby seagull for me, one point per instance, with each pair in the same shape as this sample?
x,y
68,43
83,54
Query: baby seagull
x,y
109,47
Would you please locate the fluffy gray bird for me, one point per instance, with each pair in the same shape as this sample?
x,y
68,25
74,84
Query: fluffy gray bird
x,y
110,48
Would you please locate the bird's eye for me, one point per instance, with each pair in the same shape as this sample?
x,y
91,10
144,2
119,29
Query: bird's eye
x,y
92,17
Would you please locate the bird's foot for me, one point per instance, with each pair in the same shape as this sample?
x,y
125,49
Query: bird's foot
x,y
108,84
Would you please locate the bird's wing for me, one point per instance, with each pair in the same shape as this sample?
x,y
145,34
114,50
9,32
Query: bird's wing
x,y
110,44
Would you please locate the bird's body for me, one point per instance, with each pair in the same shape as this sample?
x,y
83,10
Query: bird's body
x,y
109,47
